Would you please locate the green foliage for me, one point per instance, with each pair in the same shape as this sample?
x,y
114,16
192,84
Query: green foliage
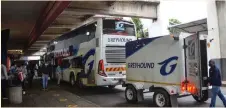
x,y
139,27
173,21
146,33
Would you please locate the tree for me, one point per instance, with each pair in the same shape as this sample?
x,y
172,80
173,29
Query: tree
x,y
173,21
146,33
139,27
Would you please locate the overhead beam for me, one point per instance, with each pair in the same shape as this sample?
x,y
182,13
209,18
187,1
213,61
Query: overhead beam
x,y
62,26
50,35
38,44
127,9
48,15
34,49
42,41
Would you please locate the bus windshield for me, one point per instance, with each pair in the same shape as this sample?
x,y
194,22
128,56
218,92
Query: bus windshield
x,y
118,27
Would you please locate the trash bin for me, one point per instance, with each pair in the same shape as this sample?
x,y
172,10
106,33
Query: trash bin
x,y
15,91
15,94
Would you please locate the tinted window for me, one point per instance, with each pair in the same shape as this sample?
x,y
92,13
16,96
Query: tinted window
x,y
81,33
90,31
118,27
65,64
77,62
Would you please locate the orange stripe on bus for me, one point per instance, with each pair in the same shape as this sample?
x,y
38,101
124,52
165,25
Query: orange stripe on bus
x,y
107,69
111,69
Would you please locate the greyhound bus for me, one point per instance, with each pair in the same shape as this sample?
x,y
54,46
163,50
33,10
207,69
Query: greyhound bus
x,y
94,53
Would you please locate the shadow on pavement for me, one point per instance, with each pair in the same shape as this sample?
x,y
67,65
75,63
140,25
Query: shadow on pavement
x,y
89,90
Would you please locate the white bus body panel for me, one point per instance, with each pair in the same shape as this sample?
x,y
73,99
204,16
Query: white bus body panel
x,y
157,62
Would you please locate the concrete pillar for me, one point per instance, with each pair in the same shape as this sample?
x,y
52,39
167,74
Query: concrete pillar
x,y
221,15
159,27
216,20
4,40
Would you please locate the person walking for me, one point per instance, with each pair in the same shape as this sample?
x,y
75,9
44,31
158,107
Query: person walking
x,y
21,76
215,81
4,79
58,72
24,72
45,75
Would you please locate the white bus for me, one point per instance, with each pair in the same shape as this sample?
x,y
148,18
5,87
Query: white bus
x,y
94,54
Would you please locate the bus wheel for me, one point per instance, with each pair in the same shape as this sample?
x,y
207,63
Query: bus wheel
x,y
111,86
131,94
161,98
203,98
72,80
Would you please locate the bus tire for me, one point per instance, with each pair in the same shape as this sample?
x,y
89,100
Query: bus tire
x,y
72,80
111,86
161,98
203,99
131,94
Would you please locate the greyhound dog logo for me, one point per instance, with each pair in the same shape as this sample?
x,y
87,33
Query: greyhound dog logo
x,y
165,64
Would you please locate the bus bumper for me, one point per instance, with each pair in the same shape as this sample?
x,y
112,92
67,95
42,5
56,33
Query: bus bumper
x,y
104,81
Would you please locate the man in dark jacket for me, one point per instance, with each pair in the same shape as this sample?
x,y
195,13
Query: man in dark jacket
x,y
215,81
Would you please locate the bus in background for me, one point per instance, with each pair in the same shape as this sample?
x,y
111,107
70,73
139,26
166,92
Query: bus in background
x,y
94,53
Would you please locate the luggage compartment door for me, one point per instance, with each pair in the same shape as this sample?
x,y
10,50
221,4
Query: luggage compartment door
x,y
192,63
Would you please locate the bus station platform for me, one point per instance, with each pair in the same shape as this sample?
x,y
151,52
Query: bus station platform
x,y
53,97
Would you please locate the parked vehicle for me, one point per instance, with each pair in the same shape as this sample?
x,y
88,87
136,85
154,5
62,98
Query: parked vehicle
x,y
99,44
171,67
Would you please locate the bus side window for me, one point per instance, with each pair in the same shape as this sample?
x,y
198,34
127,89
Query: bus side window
x,y
77,63
80,65
67,64
73,63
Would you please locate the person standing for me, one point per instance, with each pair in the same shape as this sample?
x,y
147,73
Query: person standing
x,y
31,74
13,68
35,71
215,81
4,80
45,76
58,72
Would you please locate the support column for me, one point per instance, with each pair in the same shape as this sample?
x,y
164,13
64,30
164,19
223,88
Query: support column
x,y
221,15
4,40
216,20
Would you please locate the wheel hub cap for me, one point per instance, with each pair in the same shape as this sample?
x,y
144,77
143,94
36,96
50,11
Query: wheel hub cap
x,y
129,94
160,100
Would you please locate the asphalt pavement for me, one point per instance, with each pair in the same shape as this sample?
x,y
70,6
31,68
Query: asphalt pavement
x,y
66,95
105,97
53,97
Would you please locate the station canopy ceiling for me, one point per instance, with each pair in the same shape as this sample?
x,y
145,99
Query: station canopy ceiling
x,y
33,24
